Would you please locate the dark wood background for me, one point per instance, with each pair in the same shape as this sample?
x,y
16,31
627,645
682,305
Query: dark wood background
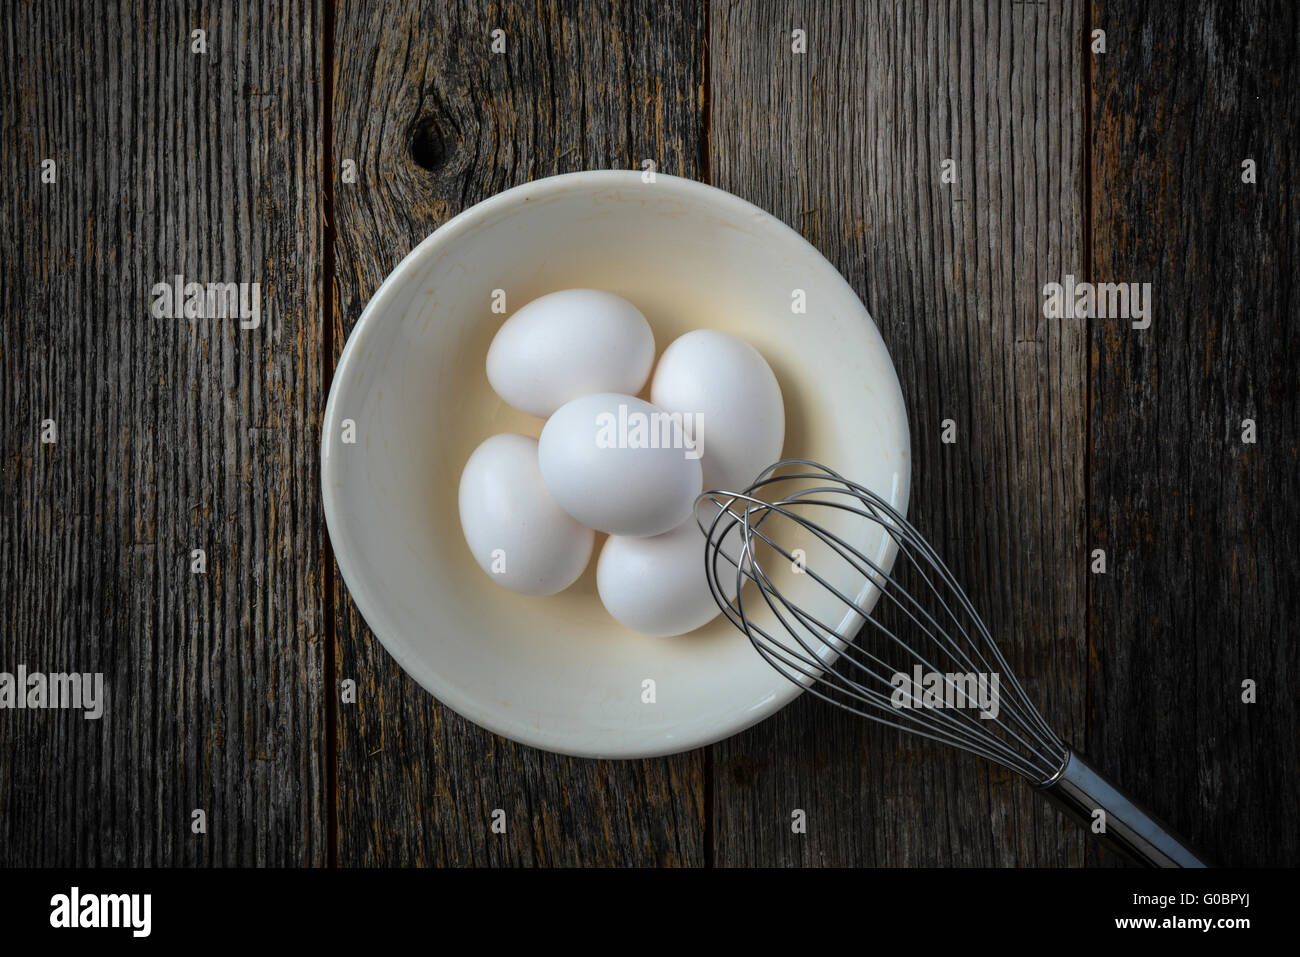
x,y
1072,434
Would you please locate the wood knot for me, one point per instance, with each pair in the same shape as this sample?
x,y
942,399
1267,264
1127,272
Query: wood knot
x,y
431,143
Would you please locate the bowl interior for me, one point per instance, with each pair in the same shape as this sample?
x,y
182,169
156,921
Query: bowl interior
x,y
559,672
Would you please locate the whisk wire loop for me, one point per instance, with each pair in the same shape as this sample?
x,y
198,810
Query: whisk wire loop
x,y
860,673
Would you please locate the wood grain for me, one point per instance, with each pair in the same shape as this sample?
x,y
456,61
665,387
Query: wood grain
x,y
173,434
436,122
178,434
1202,529
845,143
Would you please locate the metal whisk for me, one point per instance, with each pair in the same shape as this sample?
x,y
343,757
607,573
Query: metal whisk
x,y
923,659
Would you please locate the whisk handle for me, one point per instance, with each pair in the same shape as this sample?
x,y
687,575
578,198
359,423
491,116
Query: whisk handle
x,y
1080,790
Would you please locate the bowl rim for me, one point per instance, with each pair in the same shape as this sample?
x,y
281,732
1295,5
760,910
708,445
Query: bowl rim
x,y
352,571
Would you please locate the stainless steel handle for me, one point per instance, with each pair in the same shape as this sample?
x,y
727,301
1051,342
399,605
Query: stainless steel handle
x,y
1080,791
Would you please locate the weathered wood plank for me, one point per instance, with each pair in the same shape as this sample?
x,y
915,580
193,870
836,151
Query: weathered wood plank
x,y
173,434
1202,530
435,123
176,434
845,142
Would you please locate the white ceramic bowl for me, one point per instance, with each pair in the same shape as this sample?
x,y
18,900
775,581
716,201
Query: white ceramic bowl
x,y
558,672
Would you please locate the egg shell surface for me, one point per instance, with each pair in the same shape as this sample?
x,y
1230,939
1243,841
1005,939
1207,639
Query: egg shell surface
x,y
515,529
730,396
568,344
657,585
618,464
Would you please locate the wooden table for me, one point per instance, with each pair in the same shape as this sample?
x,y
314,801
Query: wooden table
x,y
1071,435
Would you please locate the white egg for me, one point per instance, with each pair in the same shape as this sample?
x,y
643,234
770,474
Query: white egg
x,y
568,344
730,400
657,585
620,465
516,531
